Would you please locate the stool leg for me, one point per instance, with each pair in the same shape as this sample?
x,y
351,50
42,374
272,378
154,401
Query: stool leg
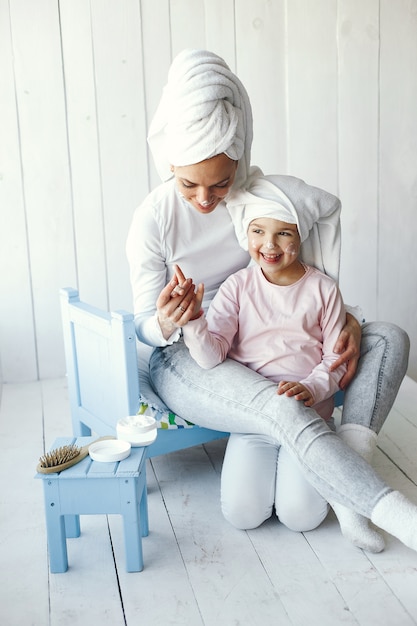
x,y
130,510
58,557
80,429
72,526
55,528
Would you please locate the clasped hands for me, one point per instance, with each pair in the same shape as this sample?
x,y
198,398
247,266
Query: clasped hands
x,y
178,303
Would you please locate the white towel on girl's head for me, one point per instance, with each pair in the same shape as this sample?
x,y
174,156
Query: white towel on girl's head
x,y
204,111
315,211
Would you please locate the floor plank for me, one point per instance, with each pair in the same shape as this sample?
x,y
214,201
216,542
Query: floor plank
x,y
161,593
199,571
24,592
304,586
364,589
229,581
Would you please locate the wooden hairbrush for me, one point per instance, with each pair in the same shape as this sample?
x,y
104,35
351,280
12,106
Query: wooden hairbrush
x,y
62,458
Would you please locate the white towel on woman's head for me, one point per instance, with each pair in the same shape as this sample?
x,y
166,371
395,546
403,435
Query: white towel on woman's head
x,y
315,211
204,111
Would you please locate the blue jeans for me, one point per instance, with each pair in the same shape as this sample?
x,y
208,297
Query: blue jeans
x,y
381,369
233,398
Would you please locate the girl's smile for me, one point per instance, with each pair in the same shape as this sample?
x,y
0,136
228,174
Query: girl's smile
x,y
274,245
271,258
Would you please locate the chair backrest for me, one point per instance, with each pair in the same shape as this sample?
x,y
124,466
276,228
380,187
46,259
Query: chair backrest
x,y
103,378
100,351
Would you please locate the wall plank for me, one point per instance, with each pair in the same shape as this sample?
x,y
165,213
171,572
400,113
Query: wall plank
x,y
312,92
358,97
122,132
188,24
397,220
261,65
84,151
17,332
47,189
220,29
157,57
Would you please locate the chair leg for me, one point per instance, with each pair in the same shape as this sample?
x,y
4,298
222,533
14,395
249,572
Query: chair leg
x,y
79,429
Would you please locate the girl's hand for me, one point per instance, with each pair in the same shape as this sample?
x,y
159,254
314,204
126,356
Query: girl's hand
x,y
178,302
295,390
348,346
179,290
180,281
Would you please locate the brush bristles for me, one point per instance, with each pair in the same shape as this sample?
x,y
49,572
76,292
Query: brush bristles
x,y
59,456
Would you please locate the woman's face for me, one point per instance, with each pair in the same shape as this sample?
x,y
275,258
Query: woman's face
x,y
205,184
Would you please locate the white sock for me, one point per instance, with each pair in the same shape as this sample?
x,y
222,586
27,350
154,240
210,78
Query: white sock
x,y
355,527
397,515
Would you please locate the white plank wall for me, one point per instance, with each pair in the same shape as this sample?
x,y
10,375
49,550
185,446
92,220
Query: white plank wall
x,y
333,85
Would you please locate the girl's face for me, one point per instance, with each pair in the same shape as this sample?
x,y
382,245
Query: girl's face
x,y
275,245
205,184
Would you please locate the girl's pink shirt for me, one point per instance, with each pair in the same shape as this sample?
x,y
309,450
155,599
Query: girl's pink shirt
x,y
283,333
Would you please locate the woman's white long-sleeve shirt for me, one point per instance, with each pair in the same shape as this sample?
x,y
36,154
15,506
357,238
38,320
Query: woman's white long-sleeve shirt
x,y
281,332
166,230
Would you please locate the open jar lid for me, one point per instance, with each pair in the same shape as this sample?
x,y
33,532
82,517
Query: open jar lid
x,y
109,451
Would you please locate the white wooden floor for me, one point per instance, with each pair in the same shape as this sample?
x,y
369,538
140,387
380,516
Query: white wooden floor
x,y
198,569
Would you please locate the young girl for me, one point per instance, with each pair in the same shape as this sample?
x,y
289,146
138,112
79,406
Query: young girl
x,y
281,318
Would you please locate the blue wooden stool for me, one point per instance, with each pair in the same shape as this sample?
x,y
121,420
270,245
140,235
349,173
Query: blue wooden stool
x,y
91,487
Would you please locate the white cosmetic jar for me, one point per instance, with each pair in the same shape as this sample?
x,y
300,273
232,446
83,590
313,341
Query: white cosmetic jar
x,y
138,430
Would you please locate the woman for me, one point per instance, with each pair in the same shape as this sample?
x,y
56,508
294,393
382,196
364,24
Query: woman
x,y
200,138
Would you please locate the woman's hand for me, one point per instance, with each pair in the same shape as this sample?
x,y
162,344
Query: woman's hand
x,y
178,303
348,346
296,390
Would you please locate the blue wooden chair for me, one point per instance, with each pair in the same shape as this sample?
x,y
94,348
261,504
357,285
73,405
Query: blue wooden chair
x,y
104,378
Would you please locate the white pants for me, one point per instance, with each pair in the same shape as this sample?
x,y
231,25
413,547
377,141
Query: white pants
x,y
258,474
